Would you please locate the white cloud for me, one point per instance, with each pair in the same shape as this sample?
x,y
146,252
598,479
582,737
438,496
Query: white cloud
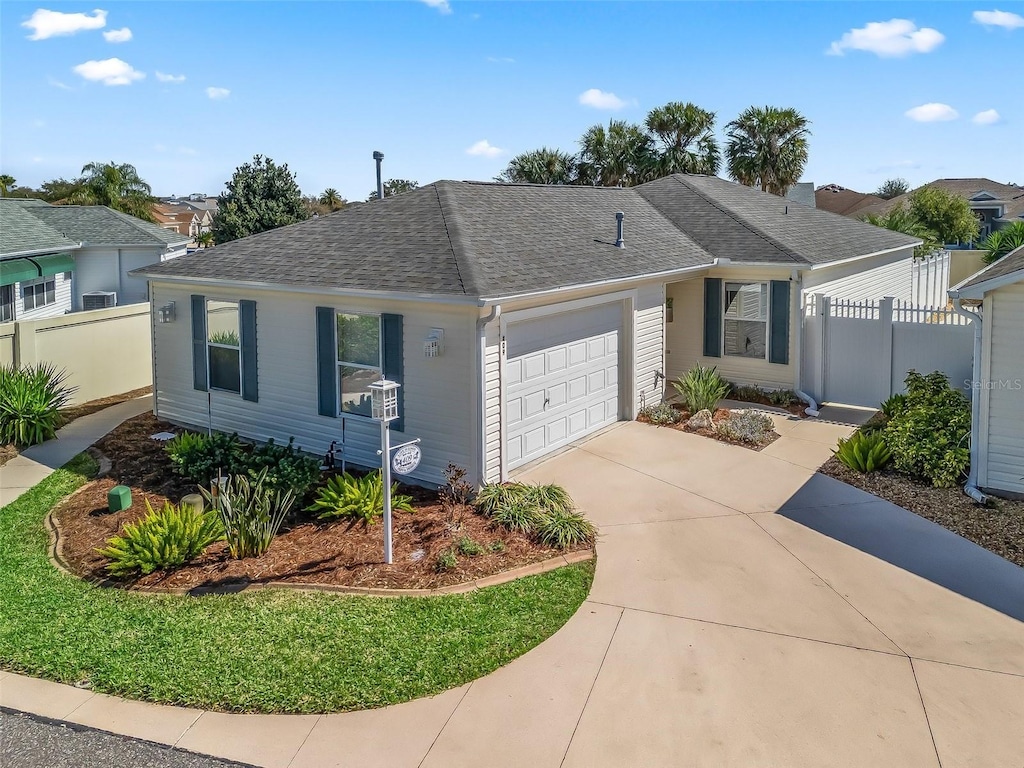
x,y
987,117
58,84
442,5
932,113
122,35
217,93
893,38
164,78
1003,19
501,60
484,148
44,23
599,99
109,72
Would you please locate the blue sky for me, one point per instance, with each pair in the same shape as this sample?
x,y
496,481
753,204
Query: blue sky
x,y
320,85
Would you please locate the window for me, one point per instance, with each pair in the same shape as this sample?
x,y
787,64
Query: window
x,y
6,303
223,346
359,360
39,293
745,321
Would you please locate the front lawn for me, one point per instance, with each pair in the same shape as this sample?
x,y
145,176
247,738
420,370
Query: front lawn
x,y
257,651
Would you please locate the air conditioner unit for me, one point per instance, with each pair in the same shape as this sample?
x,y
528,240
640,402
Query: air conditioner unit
x,y
99,300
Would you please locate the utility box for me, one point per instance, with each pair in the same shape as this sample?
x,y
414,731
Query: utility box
x,y
119,498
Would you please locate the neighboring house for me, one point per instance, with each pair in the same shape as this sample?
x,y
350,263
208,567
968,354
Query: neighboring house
x,y
845,202
36,266
995,205
996,294
509,313
179,219
111,245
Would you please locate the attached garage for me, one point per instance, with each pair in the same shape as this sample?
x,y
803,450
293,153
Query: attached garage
x,y
561,379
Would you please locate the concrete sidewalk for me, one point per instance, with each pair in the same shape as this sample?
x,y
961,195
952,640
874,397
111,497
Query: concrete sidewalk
x,y
36,463
723,629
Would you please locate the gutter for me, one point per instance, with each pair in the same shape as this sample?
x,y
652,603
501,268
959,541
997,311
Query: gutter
x,y
823,265
812,407
481,333
40,252
971,487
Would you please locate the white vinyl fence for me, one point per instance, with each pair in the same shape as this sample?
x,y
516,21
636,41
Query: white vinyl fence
x,y
859,352
930,279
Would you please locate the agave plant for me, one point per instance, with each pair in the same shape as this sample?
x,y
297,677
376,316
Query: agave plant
x,y
864,452
31,397
701,388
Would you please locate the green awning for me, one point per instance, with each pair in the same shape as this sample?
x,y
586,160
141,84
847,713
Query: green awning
x,y
21,269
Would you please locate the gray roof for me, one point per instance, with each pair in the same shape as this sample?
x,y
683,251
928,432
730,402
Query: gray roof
x,y
486,240
26,202
21,232
1007,265
99,225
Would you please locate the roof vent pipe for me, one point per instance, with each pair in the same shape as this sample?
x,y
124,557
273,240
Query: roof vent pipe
x,y
619,242
379,156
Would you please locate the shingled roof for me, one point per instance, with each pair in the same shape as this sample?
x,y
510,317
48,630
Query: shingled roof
x,y
21,233
486,240
99,225
1009,264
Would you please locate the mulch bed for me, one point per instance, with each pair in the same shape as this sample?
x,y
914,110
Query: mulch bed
x,y
306,551
999,528
719,415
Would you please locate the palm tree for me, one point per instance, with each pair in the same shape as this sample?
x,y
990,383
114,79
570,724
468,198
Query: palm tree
x,y
900,218
204,239
6,183
1002,242
540,166
767,147
117,186
332,199
621,155
686,136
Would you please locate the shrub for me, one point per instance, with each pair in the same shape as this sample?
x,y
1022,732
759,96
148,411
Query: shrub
x,y
497,546
251,512
782,397
469,547
31,397
863,451
663,413
446,561
929,439
357,499
701,388
288,469
163,539
894,406
748,426
506,504
198,457
564,528
748,393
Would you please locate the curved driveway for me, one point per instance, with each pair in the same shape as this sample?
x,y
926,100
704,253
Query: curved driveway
x,y
745,612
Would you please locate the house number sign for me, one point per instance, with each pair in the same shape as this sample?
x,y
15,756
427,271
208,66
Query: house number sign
x,y
406,459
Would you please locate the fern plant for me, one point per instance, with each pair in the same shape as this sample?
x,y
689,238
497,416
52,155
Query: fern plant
x,y
358,499
251,511
701,388
163,539
863,452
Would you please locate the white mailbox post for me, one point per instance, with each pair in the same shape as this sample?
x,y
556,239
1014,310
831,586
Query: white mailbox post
x,y
384,402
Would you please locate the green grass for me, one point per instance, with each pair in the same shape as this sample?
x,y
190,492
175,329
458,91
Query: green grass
x,y
259,651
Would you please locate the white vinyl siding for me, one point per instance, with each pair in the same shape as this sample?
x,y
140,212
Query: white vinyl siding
x,y
649,345
1002,393
106,268
438,391
492,399
888,275
61,304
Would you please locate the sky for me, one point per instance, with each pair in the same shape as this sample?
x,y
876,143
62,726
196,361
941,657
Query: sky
x,y
188,91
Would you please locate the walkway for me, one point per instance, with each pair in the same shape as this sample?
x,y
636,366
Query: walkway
x,y
746,612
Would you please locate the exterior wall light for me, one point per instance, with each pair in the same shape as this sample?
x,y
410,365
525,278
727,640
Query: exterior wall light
x,y
166,313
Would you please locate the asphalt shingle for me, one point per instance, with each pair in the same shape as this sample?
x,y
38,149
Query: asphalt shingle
x,y
1010,263
99,225
21,232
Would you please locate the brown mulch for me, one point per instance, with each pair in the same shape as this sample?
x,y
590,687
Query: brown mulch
x,y
998,528
719,415
306,550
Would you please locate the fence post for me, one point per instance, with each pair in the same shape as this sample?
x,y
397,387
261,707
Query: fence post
x,y
824,305
885,318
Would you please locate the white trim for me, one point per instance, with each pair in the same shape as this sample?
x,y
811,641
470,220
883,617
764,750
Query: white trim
x,y
652,276
865,256
978,290
41,252
519,315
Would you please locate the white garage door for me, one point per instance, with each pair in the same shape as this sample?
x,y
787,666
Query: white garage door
x,y
562,381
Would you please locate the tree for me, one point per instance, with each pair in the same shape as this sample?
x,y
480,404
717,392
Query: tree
x,y
260,196
540,166
332,199
892,188
204,239
945,214
60,190
899,218
767,147
620,155
394,187
7,182
686,138
1003,241
117,186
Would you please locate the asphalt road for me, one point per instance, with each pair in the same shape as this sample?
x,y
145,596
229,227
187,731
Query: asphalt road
x,y
29,742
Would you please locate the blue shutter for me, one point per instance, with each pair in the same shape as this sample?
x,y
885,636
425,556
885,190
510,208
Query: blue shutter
x,y
394,361
199,362
247,332
326,362
778,340
712,317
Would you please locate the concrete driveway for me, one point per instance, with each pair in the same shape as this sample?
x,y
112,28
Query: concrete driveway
x,y
746,612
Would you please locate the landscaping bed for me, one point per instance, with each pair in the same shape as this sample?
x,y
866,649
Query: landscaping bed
x,y
682,416
999,528
306,551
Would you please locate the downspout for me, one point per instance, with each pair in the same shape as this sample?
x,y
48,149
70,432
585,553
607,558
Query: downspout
x,y
481,332
971,487
812,406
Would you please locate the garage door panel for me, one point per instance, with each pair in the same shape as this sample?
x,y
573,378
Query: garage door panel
x,y
514,411
513,372
557,395
577,354
558,359
533,367
577,422
557,430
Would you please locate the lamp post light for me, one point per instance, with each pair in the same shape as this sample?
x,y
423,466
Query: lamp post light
x,y
384,403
